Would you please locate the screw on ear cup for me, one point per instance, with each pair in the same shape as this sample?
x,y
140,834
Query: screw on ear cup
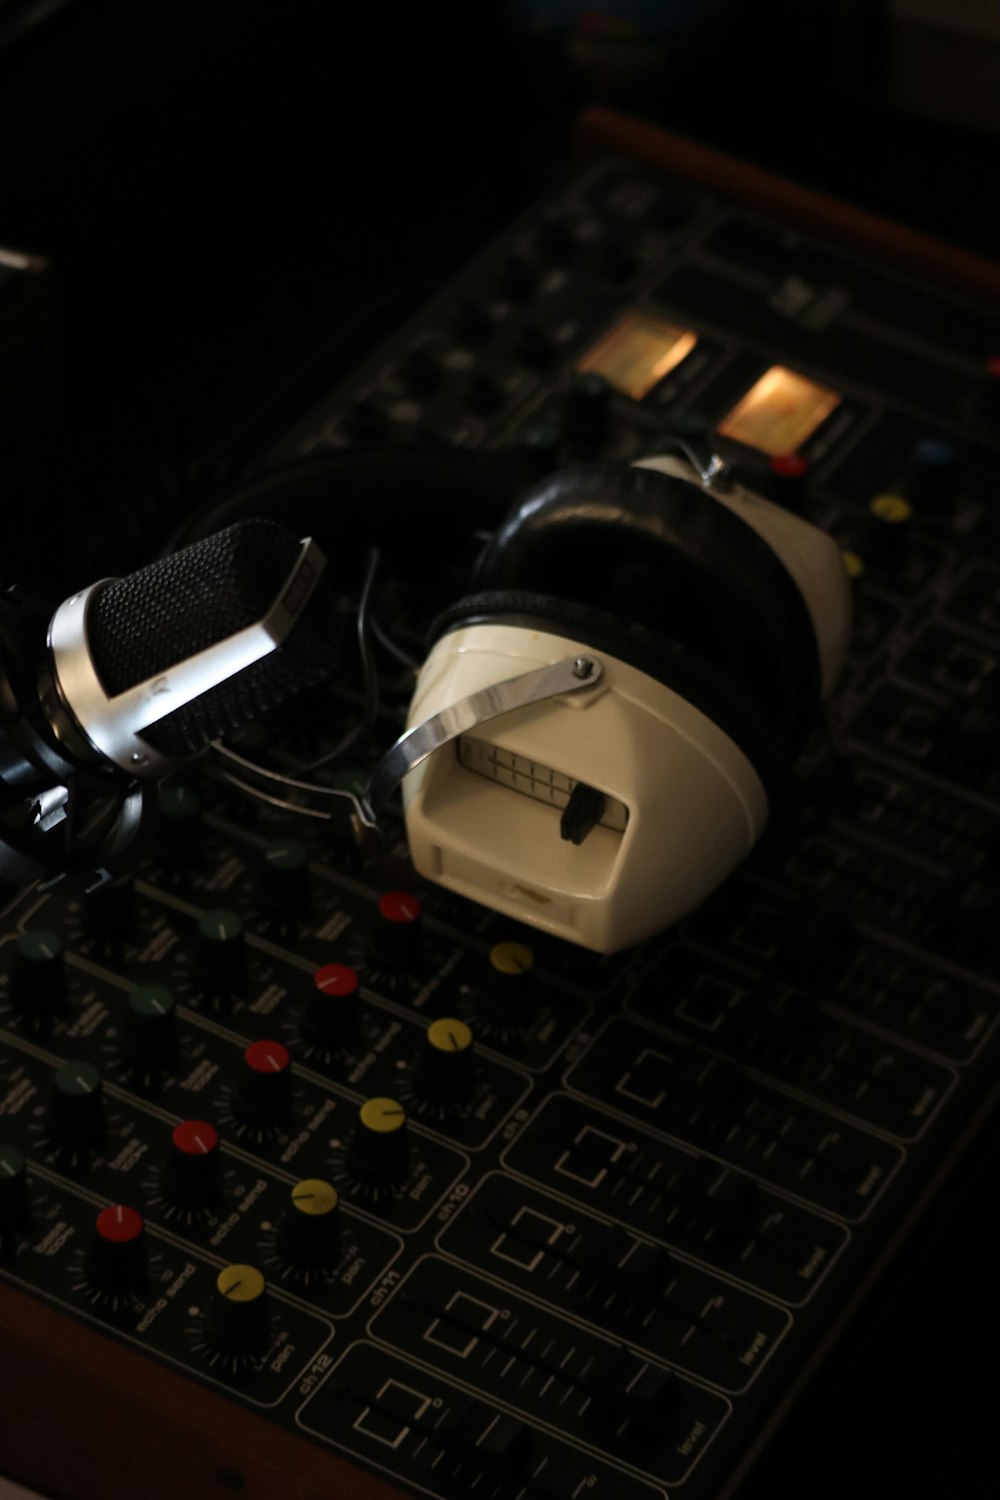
x,y
661,553
694,678
604,815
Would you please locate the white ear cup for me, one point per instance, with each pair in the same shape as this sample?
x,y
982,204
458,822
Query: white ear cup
x,y
809,555
682,803
604,815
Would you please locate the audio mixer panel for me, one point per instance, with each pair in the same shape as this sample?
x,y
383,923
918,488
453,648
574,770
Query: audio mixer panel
x,y
471,1209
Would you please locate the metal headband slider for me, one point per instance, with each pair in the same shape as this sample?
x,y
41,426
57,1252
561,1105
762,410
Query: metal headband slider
x,y
567,676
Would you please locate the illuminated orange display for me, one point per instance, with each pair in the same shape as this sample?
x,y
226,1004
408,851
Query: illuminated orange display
x,y
637,352
779,413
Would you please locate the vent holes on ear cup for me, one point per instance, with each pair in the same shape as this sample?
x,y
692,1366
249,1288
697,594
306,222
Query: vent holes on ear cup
x,y
693,677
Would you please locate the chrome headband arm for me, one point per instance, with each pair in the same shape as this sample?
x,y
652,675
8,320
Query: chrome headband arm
x,y
567,676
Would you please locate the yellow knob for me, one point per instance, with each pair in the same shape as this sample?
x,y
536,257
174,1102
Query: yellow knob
x,y
382,1116
449,1035
512,958
238,1317
378,1150
314,1197
894,509
240,1283
853,565
445,1065
309,1229
889,518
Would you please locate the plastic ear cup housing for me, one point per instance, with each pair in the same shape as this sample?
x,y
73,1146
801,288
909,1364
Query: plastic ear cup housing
x,y
719,627
684,802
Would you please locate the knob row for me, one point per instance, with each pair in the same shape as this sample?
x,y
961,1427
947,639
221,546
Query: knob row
x,y
331,1016
307,1235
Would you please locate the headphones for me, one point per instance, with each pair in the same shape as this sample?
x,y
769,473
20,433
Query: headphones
x,y
717,622
603,726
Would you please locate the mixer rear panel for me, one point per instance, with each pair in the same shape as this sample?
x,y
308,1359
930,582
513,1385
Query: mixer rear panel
x,y
575,1225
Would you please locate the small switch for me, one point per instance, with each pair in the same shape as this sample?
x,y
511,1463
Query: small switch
x,y
582,812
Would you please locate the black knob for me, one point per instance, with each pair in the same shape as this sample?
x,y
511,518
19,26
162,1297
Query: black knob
x,y
617,263
220,948
179,827
483,394
421,369
397,930
367,420
445,1067
786,481
192,1175
109,912
378,1150
283,882
888,533
535,345
13,1187
517,277
507,989
556,240
473,322
76,1105
263,1093
239,1313
932,480
309,1228
539,443
588,413
116,1256
333,1009
150,1026
38,983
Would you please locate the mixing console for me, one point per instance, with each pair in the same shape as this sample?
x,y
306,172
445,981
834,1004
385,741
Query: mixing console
x,y
474,1210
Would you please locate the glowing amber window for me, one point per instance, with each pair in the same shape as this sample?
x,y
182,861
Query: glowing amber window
x,y
779,413
637,352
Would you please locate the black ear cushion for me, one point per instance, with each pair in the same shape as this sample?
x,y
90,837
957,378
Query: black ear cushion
x,y
638,542
696,680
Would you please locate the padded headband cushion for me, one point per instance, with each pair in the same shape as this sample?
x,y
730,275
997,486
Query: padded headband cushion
x,y
638,542
693,678
393,499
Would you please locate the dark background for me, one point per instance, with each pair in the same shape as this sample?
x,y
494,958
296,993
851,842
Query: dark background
x,y
237,198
